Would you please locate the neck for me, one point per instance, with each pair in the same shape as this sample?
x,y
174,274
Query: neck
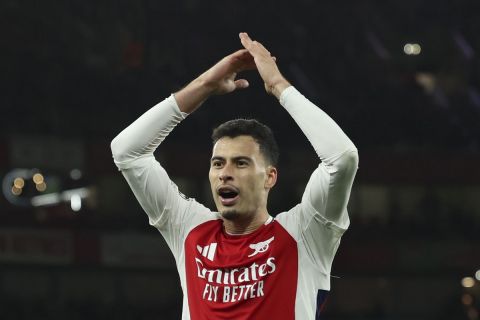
x,y
240,226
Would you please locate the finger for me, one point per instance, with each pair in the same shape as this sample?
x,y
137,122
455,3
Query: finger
x,y
259,44
248,43
239,54
239,57
245,56
254,47
245,39
241,84
244,62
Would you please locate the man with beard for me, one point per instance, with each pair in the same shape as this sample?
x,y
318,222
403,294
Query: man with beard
x,y
239,262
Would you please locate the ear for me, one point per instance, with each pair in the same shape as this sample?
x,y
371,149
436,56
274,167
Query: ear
x,y
271,177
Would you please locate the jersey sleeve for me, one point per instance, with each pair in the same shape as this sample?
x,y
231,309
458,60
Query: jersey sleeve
x,y
321,218
167,208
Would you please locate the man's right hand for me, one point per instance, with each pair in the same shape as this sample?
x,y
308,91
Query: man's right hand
x,y
219,79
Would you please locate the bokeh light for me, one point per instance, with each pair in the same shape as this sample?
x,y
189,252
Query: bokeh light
x,y
75,174
38,178
468,282
412,49
16,191
76,202
19,183
467,299
41,186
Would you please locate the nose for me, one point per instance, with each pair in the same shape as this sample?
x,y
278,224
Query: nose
x,y
224,178
225,174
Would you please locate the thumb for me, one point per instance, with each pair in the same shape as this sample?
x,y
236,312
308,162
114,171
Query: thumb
x,y
241,84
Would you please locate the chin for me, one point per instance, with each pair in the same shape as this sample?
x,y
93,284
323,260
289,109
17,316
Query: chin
x,y
230,214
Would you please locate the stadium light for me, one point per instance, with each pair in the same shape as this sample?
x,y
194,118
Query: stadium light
x,y
468,282
412,49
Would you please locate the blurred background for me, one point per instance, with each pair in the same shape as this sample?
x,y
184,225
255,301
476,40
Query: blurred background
x,y
402,78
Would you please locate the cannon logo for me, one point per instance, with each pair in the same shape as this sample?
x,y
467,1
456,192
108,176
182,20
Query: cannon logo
x,y
260,247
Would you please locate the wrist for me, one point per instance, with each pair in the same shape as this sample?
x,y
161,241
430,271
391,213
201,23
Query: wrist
x,y
279,87
203,87
193,95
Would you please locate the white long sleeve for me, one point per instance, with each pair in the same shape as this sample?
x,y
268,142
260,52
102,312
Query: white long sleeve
x,y
328,189
324,134
142,137
166,207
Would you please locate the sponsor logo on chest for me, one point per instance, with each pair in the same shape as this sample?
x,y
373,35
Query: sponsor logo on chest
x,y
226,285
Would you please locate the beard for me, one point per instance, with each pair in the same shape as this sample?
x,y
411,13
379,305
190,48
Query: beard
x,y
231,215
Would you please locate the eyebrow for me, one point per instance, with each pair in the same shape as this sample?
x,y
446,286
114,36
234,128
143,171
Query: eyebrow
x,y
234,158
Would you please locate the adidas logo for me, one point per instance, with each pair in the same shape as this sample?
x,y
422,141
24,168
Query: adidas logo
x,y
208,251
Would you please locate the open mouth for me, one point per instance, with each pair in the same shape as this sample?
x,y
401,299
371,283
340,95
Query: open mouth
x,y
228,195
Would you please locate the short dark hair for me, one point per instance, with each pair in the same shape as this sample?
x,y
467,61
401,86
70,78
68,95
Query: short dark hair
x,y
261,133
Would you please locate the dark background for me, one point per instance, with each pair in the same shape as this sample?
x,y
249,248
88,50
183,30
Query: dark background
x,y
75,73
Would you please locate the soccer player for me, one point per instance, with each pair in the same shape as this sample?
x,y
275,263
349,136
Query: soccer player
x,y
239,262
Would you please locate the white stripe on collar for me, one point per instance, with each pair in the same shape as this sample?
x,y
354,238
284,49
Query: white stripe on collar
x,y
270,219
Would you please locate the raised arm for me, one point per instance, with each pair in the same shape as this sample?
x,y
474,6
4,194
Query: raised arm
x,y
142,137
329,187
132,151
167,209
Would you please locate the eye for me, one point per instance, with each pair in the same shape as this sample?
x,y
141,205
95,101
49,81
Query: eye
x,y
216,164
242,163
